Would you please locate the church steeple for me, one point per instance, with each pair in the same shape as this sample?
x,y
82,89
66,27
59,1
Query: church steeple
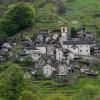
x,y
64,32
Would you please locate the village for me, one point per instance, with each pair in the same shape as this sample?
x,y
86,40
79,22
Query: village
x,y
49,49
54,55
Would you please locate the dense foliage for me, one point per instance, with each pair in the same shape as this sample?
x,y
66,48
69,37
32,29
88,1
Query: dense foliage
x,y
11,82
17,17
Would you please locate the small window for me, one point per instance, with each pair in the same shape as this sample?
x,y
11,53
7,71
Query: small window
x,y
63,29
80,50
86,50
74,48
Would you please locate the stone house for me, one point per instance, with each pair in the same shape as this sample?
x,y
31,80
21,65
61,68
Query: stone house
x,y
64,54
26,43
50,49
81,48
40,37
48,70
84,69
59,55
63,69
55,36
40,63
41,49
96,50
35,56
68,54
6,46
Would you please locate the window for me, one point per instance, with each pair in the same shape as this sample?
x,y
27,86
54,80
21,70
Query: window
x,y
95,50
80,50
86,50
63,29
80,46
74,48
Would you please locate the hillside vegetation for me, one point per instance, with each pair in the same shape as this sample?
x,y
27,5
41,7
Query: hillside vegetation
x,y
54,13
20,76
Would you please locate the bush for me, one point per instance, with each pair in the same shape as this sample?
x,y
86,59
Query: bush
x,y
28,95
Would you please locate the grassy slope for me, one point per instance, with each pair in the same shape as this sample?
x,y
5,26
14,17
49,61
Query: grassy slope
x,y
82,11
49,86
45,86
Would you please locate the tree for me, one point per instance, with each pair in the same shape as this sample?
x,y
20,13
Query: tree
x,y
12,83
5,66
48,12
27,61
62,6
18,17
73,32
28,95
16,49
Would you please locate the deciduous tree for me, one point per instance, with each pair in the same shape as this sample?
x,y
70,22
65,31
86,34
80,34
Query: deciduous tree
x,y
18,17
12,83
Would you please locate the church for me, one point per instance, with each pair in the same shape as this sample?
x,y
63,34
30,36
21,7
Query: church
x,y
77,46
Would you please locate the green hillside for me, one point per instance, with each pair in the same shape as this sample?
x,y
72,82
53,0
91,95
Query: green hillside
x,y
84,11
77,13
25,59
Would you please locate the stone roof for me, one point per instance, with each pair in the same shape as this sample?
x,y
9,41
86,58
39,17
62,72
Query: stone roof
x,y
28,68
98,46
40,45
84,67
79,42
65,50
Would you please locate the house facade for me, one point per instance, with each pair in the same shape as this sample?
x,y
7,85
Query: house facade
x,y
50,49
35,56
59,55
63,70
96,50
81,48
48,70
